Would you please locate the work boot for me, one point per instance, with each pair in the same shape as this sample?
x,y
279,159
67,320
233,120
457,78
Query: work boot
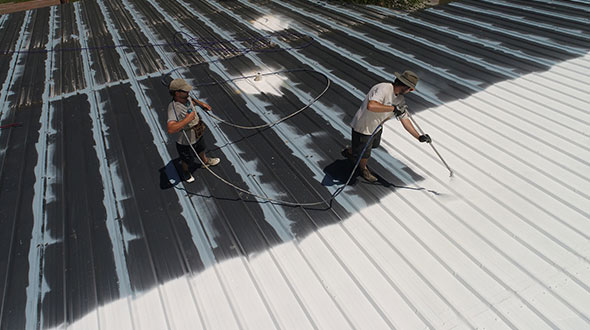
x,y
212,161
367,175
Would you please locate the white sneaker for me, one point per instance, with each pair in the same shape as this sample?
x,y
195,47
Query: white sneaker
x,y
212,161
190,178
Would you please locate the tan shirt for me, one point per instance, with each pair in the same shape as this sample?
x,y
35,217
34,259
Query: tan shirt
x,y
177,112
365,121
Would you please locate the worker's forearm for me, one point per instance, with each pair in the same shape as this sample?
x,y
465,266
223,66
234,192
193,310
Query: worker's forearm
x,y
201,104
410,128
176,126
378,107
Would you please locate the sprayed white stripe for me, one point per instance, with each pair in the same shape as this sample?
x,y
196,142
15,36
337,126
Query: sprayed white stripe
x,y
570,76
3,20
545,12
14,69
42,195
374,299
430,93
188,210
274,215
425,87
568,3
521,19
112,183
491,27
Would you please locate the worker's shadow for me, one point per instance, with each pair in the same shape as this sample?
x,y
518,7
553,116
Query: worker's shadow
x,y
338,172
169,174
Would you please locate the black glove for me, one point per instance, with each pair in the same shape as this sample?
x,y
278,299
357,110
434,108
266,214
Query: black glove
x,y
425,138
399,110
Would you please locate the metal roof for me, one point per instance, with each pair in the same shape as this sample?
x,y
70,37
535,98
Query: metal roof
x,y
96,232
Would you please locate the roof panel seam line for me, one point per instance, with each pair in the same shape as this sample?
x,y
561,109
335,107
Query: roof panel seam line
x,y
506,256
471,39
144,104
151,121
566,185
544,12
12,68
435,101
567,4
112,207
440,72
373,262
42,188
548,212
490,27
466,37
222,73
4,115
325,243
522,20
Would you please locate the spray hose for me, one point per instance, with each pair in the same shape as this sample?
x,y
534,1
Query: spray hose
x,y
284,202
226,47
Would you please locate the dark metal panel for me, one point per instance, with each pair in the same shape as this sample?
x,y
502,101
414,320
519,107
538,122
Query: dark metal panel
x,y
345,67
175,41
556,8
507,39
155,255
8,37
146,59
17,171
68,76
16,214
30,85
82,215
407,32
285,169
105,60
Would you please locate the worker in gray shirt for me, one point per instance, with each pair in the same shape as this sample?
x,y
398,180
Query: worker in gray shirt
x,y
383,101
182,118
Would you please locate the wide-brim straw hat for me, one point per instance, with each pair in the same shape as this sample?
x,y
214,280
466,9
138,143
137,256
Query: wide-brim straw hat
x,y
409,78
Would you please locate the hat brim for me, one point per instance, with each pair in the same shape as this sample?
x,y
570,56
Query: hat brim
x,y
404,80
186,88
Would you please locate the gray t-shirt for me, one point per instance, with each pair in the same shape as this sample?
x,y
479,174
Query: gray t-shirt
x,y
365,121
177,112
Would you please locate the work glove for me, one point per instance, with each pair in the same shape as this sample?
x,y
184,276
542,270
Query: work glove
x,y
399,110
425,138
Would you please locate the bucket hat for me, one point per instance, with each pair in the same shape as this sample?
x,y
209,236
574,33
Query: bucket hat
x,y
409,78
179,85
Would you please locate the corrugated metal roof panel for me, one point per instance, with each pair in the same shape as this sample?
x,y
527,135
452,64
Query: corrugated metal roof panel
x,y
97,231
